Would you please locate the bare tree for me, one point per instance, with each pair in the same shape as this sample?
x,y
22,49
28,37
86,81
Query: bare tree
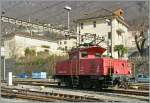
x,y
13,49
141,37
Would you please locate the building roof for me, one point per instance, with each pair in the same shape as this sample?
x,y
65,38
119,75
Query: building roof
x,y
103,14
67,38
27,35
96,49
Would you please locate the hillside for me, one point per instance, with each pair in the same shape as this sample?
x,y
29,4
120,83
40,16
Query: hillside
x,y
53,12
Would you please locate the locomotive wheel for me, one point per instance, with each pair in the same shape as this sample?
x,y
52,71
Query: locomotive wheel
x,y
86,86
68,84
85,83
59,84
98,85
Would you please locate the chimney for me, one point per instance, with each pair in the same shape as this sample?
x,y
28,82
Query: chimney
x,y
119,12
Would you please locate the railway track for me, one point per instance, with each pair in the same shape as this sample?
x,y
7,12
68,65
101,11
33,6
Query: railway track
x,y
137,86
54,84
44,96
129,93
35,83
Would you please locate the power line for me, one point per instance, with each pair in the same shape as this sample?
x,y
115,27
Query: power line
x,y
47,16
39,10
55,16
10,7
69,3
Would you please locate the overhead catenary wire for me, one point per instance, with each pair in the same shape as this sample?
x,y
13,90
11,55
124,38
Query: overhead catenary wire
x,y
10,7
56,15
42,9
56,4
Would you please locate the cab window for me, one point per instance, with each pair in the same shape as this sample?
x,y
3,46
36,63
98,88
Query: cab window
x,y
84,54
97,55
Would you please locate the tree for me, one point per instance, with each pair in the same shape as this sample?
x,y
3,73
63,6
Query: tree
x,y
140,41
29,52
124,51
121,50
41,62
140,35
13,48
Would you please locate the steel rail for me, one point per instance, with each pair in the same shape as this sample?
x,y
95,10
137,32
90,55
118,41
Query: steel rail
x,y
48,83
44,96
110,90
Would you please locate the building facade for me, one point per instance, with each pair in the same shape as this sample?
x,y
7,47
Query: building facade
x,y
112,28
15,44
67,44
131,39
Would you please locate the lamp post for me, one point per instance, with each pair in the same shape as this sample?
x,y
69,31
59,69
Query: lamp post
x,y
111,37
2,50
68,9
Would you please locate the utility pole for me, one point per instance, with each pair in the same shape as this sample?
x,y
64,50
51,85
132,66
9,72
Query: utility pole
x,y
111,37
68,20
30,28
4,69
0,62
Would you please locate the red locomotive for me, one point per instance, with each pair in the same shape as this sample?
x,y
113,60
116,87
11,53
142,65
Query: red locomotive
x,y
86,68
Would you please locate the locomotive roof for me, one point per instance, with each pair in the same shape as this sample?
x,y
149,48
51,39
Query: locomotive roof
x,y
97,49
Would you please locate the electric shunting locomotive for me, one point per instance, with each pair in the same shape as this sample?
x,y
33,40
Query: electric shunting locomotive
x,y
86,68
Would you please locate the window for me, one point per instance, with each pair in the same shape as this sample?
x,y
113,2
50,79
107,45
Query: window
x,y
65,42
117,21
119,33
110,49
65,47
121,13
81,25
46,50
60,42
94,24
84,54
109,35
45,46
97,55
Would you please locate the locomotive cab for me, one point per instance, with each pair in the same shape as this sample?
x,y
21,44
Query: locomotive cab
x,y
87,53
